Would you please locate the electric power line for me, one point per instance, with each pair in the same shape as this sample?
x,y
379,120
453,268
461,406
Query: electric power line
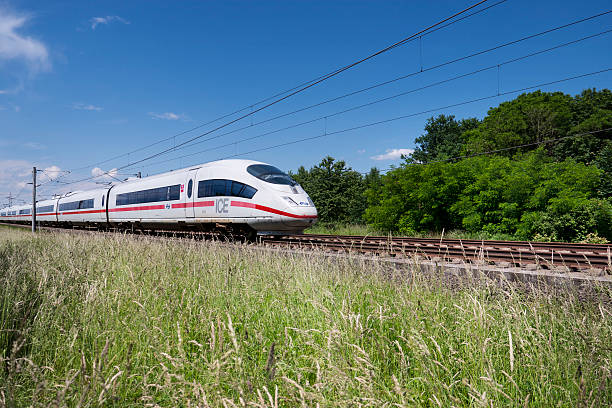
x,y
446,63
494,66
352,93
430,68
423,34
419,113
402,116
310,85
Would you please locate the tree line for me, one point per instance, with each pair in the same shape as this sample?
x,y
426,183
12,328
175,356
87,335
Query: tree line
x,y
536,167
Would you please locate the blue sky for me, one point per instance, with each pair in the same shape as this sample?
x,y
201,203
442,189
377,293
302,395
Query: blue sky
x,y
81,82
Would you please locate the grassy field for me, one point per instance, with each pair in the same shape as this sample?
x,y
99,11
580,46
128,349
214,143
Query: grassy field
x,y
113,320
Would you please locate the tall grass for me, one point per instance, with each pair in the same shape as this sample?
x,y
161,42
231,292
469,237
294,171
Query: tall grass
x,y
116,320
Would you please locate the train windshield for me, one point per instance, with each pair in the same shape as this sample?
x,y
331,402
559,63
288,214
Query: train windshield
x,y
270,174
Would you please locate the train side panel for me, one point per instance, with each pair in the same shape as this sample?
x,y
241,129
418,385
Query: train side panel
x,y
157,200
46,211
82,207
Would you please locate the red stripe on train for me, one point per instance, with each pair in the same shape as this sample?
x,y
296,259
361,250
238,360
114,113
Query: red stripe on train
x,y
269,209
81,212
196,204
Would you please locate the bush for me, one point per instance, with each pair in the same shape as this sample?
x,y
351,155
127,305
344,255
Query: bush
x,y
567,221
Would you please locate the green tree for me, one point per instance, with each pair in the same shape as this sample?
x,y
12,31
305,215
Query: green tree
x,y
336,190
524,196
530,118
443,138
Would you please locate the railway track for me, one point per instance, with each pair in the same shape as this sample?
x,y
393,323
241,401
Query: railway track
x,y
557,256
595,259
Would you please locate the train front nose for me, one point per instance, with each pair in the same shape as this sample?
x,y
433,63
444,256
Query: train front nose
x,y
301,211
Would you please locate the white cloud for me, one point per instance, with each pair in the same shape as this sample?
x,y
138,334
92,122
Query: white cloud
x,y
15,176
103,175
167,116
51,173
393,154
18,47
82,106
95,21
361,151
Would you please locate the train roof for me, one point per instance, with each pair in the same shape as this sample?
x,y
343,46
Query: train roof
x,y
242,163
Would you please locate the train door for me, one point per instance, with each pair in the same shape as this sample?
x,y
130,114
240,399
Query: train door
x,y
190,193
203,205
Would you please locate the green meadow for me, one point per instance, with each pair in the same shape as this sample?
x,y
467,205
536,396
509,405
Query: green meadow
x,y
116,320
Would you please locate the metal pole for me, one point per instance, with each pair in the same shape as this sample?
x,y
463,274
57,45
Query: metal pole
x,y
34,199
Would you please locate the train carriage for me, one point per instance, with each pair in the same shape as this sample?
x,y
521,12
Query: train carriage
x,y
151,201
22,214
46,211
240,195
82,207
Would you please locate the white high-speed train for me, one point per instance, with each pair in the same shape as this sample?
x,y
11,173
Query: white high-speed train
x,y
240,196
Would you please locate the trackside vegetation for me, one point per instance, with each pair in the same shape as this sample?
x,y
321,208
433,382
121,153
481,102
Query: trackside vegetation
x,y
114,320
537,167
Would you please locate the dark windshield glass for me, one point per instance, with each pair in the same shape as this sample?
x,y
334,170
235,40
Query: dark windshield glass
x,y
270,174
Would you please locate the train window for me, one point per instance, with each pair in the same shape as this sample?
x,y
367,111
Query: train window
x,y
221,188
247,192
83,204
77,205
102,201
227,188
3,214
270,174
44,209
26,212
168,193
189,188
236,188
69,206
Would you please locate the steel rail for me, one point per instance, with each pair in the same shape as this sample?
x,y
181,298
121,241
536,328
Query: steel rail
x,y
555,255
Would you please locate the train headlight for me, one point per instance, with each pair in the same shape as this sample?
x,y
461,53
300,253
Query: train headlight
x,y
290,201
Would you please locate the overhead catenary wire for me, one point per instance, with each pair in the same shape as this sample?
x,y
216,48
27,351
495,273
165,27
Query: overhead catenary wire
x,y
446,63
443,64
252,105
353,108
430,68
504,149
400,78
419,113
363,126
310,85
